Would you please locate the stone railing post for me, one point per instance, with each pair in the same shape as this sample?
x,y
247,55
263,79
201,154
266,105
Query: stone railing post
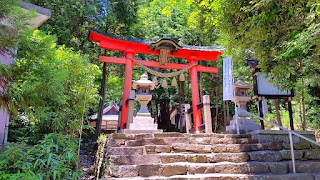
x,y
207,114
188,117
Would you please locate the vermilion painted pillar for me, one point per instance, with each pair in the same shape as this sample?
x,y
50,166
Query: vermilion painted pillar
x,y
195,94
126,87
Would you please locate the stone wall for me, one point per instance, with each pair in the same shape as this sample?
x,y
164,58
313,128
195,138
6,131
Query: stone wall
x,y
279,136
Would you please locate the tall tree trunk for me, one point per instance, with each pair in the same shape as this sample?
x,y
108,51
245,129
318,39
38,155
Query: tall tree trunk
x,y
276,107
181,100
303,106
300,111
102,100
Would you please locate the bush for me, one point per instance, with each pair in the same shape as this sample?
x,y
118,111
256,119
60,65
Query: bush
x,y
54,157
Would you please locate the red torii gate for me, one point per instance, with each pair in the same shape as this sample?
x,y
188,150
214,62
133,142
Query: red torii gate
x,y
132,46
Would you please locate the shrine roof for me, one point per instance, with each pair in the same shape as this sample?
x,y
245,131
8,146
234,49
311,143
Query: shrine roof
x,y
112,42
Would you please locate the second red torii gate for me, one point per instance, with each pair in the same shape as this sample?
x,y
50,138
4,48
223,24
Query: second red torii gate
x,y
132,46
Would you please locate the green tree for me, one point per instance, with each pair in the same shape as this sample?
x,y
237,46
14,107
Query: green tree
x,y
71,20
283,35
51,86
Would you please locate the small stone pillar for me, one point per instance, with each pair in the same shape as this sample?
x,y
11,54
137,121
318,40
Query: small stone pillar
x,y
143,122
246,124
132,94
207,114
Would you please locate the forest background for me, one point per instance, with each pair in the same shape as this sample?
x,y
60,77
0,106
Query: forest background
x,y
54,84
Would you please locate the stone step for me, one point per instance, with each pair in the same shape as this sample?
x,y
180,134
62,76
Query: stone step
x,y
310,166
176,157
170,134
221,135
138,150
219,148
183,168
267,156
213,176
138,141
161,154
174,134
225,140
145,141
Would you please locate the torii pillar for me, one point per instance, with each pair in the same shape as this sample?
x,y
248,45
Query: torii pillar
x,y
127,86
195,94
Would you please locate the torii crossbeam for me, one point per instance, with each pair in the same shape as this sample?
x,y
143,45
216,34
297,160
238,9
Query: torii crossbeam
x,y
132,46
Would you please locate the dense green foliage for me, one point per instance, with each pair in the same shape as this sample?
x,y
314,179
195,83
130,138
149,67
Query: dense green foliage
x,y
283,35
51,87
70,21
48,92
53,157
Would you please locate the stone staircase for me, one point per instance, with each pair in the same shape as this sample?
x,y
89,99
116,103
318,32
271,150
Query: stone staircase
x,y
205,157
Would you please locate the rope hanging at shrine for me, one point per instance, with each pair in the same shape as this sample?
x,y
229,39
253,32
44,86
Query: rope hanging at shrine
x,y
160,74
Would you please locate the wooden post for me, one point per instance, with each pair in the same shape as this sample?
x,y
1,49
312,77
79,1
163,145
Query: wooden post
x,y
126,87
130,108
261,114
195,95
207,114
102,99
290,114
188,117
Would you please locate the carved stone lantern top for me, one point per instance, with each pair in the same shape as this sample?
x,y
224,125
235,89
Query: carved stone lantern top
x,y
240,84
241,88
143,82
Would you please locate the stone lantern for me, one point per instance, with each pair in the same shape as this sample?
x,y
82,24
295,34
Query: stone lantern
x,y
241,94
143,122
241,98
143,87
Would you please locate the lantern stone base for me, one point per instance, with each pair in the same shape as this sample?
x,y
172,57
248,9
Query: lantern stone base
x,y
143,123
246,124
